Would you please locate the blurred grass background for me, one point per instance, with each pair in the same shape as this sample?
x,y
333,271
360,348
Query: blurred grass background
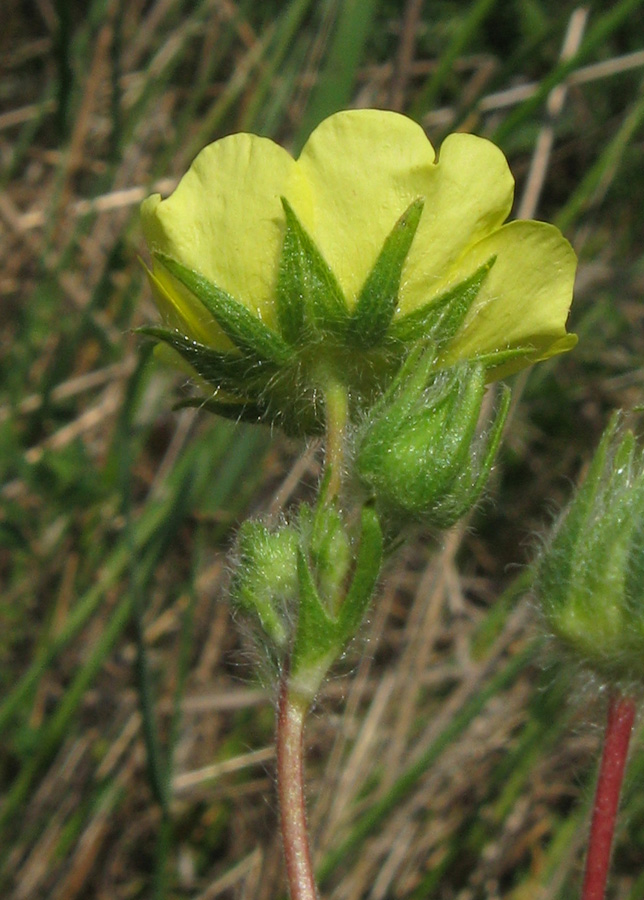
x,y
453,756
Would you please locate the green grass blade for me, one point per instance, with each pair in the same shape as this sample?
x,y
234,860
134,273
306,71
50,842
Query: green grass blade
x,y
336,81
468,29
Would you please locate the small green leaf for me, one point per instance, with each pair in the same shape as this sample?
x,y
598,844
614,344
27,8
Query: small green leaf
x,y
320,636
240,325
308,293
365,576
317,632
233,374
330,553
442,317
376,304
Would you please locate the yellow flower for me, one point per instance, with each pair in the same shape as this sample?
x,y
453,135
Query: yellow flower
x,y
334,265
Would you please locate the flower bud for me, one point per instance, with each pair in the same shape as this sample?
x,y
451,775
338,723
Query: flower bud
x,y
590,577
420,453
308,584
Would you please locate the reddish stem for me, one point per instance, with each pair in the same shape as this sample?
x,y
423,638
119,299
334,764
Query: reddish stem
x,y
621,714
290,788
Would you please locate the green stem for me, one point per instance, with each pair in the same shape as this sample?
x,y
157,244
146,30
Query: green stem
x,y
337,416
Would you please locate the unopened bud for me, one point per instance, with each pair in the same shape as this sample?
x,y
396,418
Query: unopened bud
x,y
308,585
590,578
421,453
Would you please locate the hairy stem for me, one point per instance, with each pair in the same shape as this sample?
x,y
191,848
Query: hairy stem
x,y
290,787
621,714
337,414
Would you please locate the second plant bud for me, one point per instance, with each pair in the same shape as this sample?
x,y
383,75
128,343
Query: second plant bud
x,y
421,453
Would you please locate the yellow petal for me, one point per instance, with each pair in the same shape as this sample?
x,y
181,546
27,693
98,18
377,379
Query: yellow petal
x,y
469,197
365,167
225,218
358,172
524,300
181,311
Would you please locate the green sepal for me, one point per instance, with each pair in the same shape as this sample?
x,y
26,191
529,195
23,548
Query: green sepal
x,y
418,370
239,324
493,441
290,289
447,511
266,409
308,294
234,374
494,361
463,408
441,318
408,385
581,511
634,574
378,298
421,448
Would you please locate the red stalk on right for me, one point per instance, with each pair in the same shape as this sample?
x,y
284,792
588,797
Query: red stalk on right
x,y
621,715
